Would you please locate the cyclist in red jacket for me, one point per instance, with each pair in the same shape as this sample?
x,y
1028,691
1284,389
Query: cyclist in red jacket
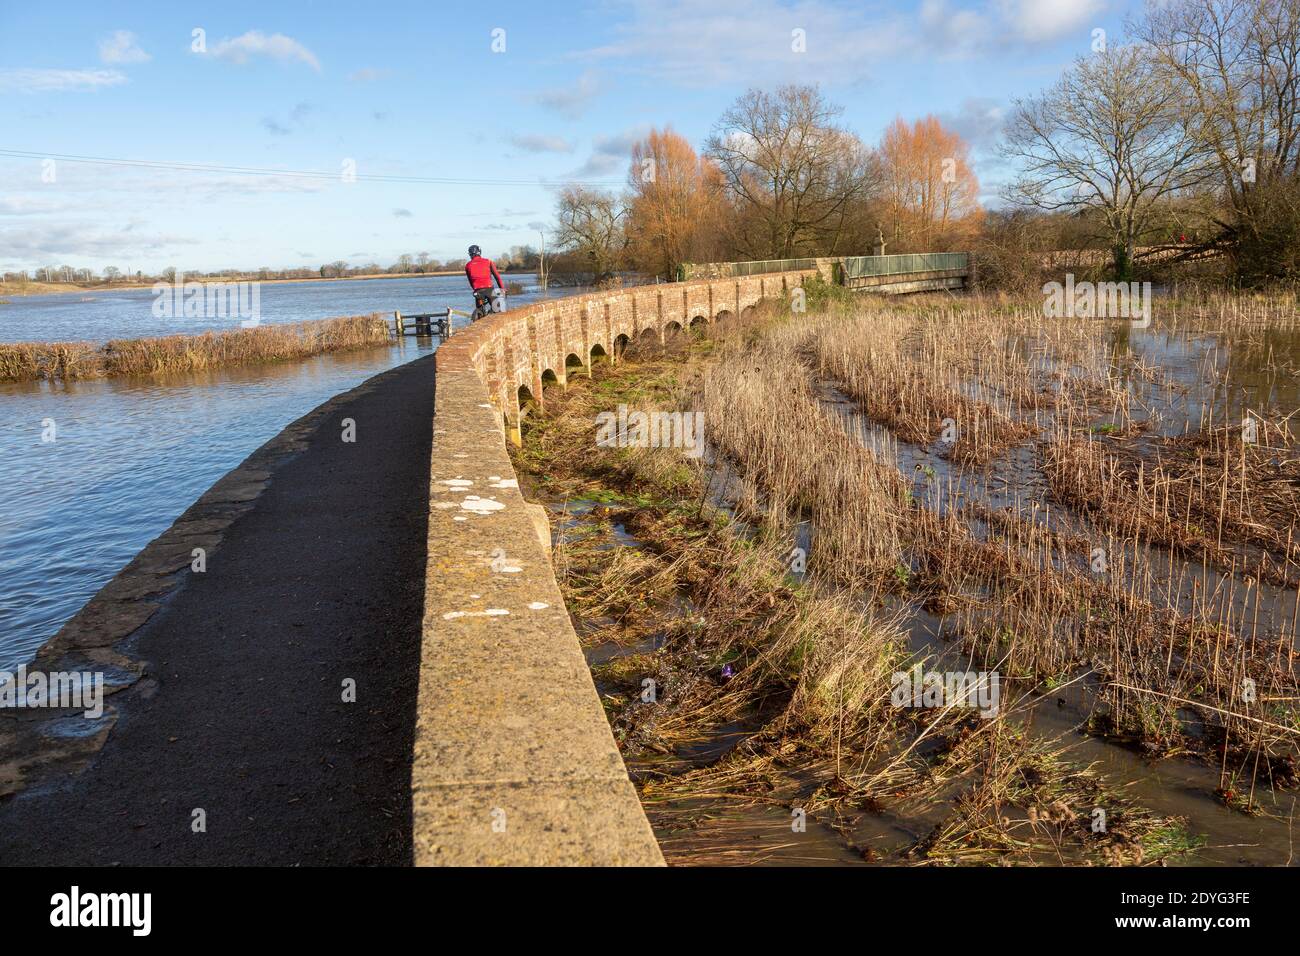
x,y
480,272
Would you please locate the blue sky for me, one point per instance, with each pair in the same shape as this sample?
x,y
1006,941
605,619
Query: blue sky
x,y
417,90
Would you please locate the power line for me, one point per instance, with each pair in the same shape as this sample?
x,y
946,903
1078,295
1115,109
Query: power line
x,y
295,173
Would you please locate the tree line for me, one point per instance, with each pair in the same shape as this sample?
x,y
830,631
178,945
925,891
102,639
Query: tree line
x,y
523,258
779,177
1188,134
1180,144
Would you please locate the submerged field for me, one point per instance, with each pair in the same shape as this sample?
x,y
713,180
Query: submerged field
x,y
1103,517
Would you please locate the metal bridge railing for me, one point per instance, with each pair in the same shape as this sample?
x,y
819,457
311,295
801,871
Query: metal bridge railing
x,y
859,267
722,270
759,266
853,267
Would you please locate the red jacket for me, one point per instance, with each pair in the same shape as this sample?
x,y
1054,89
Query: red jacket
x,y
481,272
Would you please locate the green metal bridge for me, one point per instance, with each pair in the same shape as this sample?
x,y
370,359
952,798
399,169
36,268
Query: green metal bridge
x,y
910,272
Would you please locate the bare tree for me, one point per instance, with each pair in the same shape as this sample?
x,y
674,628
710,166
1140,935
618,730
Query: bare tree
x,y
792,173
589,222
1107,138
1235,65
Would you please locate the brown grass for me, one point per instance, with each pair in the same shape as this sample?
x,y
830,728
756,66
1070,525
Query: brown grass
x,y
30,361
811,663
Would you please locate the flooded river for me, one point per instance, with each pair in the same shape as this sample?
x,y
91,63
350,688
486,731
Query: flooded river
x,y
130,454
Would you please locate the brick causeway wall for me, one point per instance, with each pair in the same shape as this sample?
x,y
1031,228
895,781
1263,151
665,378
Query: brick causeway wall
x,y
514,760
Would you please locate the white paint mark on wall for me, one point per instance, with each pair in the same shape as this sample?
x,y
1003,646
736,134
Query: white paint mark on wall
x,y
481,506
490,612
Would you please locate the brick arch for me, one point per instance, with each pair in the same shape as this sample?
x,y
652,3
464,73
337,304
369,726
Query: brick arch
x,y
527,347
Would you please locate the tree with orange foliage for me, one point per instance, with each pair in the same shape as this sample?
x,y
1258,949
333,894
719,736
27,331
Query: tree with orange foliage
x,y
675,204
931,193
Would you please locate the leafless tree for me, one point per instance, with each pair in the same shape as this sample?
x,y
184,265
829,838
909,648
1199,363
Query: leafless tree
x,y
589,222
1109,139
1235,65
792,173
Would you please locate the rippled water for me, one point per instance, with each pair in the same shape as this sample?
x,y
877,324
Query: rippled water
x,y
128,313
130,455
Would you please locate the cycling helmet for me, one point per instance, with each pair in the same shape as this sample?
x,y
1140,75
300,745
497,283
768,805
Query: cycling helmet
x,y
475,251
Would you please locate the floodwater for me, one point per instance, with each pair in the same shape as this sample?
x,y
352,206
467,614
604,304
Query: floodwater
x,y
129,455
129,313
1205,379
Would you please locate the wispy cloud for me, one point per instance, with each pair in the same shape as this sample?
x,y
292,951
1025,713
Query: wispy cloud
x,y
297,116
65,239
1003,25
979,121
58,81
368,74
255,43
571,101
539,143
1047,20
609,154
401,214
766,41
749,41
120,46
29,206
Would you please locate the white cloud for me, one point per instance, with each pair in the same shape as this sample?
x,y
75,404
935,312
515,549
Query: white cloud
x,y
740,41
1046,20
120,47
368,74
539,143
979,121
610,154
255,43
58,81
754,41
29,206
64,240
955,31
571,101
1006,24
